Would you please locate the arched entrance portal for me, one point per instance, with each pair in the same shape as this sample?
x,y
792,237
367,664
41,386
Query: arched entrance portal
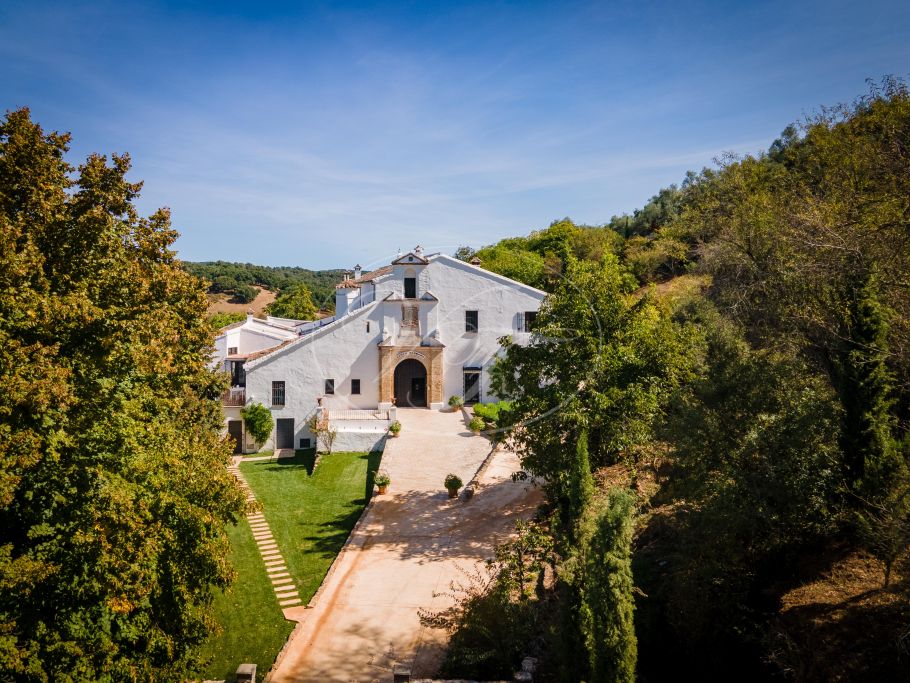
x,y
410,384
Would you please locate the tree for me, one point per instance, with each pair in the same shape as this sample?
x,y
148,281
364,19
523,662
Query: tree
x,y
296,303
324,431
220,320
581,482
245,294
600,359
258,420
114,493
605,576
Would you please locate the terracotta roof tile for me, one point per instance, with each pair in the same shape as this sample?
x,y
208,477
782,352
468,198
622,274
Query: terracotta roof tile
x,y
372,275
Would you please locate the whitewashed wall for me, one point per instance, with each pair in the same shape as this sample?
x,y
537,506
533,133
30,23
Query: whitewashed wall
x,y
499,301
342,351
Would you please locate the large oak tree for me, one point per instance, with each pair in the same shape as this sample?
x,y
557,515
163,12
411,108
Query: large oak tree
x,y
113,490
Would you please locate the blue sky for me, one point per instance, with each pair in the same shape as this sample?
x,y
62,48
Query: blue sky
x,y
323,134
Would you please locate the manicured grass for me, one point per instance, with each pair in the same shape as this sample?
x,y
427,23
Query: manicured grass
x,y
254,629
312,513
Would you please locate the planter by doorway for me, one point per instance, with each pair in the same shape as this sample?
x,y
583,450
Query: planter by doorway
x,y
382,490
453,493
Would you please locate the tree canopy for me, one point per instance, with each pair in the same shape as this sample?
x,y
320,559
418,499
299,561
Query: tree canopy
x,y
113,488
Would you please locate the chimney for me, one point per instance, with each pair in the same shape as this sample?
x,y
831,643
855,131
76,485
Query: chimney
x,y
357,271
418,250
249,315
475,261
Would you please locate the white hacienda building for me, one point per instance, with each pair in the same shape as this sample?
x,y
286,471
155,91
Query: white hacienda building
x,y
410,334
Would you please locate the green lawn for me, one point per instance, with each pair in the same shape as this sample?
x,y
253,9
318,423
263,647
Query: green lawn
x,y
310,514
254,627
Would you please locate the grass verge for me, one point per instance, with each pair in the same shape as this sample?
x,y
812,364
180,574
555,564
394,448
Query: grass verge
x,y
254,628
311,513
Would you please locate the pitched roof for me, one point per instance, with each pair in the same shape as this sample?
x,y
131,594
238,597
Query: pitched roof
x,y
372,275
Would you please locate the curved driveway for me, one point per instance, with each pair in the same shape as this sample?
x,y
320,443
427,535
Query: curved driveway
x,y
410,546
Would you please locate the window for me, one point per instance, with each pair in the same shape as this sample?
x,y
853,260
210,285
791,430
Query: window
x,y
528,320
410,288
232,350
305,442
471,385
329,386
277,393
355,386
368,326
470,321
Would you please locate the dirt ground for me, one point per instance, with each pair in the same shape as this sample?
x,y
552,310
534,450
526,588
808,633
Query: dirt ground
x,y
220,303
411,545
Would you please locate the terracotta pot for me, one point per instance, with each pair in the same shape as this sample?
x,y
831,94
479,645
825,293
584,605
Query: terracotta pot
x,y
382,489
453,493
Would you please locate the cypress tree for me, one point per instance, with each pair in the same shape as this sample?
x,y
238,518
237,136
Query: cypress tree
x,y
865,390
607,605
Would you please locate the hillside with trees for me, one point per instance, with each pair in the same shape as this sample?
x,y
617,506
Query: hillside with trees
x,y
716,400
239,279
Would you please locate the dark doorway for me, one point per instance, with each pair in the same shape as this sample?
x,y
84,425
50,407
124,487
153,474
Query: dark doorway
x,y
471,386
235,429
410,288
411,384
284,432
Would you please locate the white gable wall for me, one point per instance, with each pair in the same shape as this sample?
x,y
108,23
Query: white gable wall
x,y
342,352
462,287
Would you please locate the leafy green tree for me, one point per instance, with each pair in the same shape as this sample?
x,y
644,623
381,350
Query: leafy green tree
x,y
245,294
220,320
258,420
511,259
114,493
296,303
600,358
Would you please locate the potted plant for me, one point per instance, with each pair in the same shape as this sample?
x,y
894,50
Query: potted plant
x,y
395,428
382,480
453,483
455,402
477,424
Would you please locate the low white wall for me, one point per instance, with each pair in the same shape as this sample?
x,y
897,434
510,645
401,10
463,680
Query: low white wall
x,y
359,440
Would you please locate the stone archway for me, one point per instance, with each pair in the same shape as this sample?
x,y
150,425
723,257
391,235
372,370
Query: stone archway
x,y
428,357
410,382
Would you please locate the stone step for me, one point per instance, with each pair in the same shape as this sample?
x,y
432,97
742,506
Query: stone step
x,y
288,603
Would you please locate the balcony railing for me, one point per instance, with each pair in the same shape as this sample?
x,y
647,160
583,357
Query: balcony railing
x,y
374,414
235,397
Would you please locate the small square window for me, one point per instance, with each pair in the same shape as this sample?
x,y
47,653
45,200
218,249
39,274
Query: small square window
x,y
305,442
232,350
355,386
329,386
470,321
528,320
278,393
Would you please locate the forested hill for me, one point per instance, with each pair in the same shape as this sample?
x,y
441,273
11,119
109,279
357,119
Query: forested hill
x,y
726,453
227,276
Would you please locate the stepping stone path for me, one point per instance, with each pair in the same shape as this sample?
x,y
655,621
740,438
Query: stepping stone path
x,y
282,583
